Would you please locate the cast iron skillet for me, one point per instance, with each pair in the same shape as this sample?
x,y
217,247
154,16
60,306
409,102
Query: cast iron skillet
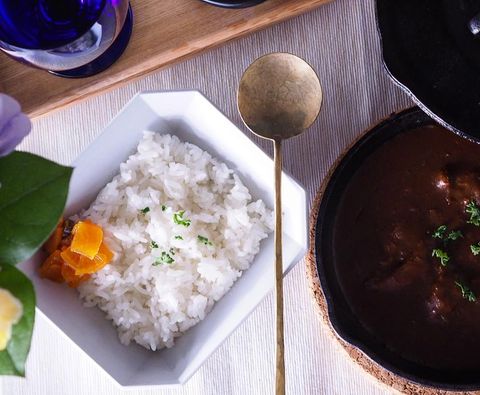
x,y
233,3
340,314
431,48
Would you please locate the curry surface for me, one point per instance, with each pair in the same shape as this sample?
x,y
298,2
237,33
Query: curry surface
x,y
411,185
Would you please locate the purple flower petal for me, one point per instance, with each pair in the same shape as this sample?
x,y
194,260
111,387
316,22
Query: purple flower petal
x,y
9,107
14,125
13,133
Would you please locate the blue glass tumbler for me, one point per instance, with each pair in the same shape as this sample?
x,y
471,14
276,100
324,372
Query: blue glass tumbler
x,y
69,38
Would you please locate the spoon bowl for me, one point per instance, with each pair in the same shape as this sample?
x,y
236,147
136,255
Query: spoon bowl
x,y
279,96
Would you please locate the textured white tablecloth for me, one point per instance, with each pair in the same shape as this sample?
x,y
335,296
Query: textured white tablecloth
x,y
340,41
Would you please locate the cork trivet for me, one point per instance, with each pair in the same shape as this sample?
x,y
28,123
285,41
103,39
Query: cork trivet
x,y
381,374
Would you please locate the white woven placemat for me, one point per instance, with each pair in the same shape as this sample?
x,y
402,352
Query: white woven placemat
x,y
340,41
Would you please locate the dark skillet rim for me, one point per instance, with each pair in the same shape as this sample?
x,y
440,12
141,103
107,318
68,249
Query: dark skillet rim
x,y
233,4
389,65
327,209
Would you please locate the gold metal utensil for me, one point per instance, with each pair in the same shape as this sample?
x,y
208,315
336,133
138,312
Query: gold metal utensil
x,y
279,97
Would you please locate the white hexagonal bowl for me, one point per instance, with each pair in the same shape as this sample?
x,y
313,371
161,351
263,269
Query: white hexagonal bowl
x,y
190,116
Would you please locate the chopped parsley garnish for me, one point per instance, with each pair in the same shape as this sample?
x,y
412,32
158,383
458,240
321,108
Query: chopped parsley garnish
x,y
454,235
474,212
475,248
164,259
164,207
172,251
442,255
179,220
440,232
153,244
178,237
204,240
466,292
145,210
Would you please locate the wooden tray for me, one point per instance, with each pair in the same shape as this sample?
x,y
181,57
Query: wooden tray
x,y
165,31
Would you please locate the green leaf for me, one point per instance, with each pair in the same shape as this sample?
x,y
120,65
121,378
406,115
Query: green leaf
x,y
33,192
12,359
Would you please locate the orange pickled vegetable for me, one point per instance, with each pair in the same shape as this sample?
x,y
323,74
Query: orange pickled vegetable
x,y
71,278
52,267
89,266
73,259
55,239
104,250
87,238
83,265
70,258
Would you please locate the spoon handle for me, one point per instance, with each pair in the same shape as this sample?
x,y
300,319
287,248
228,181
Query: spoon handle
x,y
280,353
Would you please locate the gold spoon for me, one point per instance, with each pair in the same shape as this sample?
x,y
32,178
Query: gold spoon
x,y
279,97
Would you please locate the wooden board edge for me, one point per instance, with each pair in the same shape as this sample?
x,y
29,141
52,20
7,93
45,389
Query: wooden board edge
x,y
59,104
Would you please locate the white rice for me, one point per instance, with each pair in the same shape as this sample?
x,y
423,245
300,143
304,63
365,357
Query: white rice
x,y
153,304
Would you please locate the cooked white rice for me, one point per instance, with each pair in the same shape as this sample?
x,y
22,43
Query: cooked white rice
x,y
148,299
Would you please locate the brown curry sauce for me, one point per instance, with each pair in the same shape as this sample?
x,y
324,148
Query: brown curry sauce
x,y
399,196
